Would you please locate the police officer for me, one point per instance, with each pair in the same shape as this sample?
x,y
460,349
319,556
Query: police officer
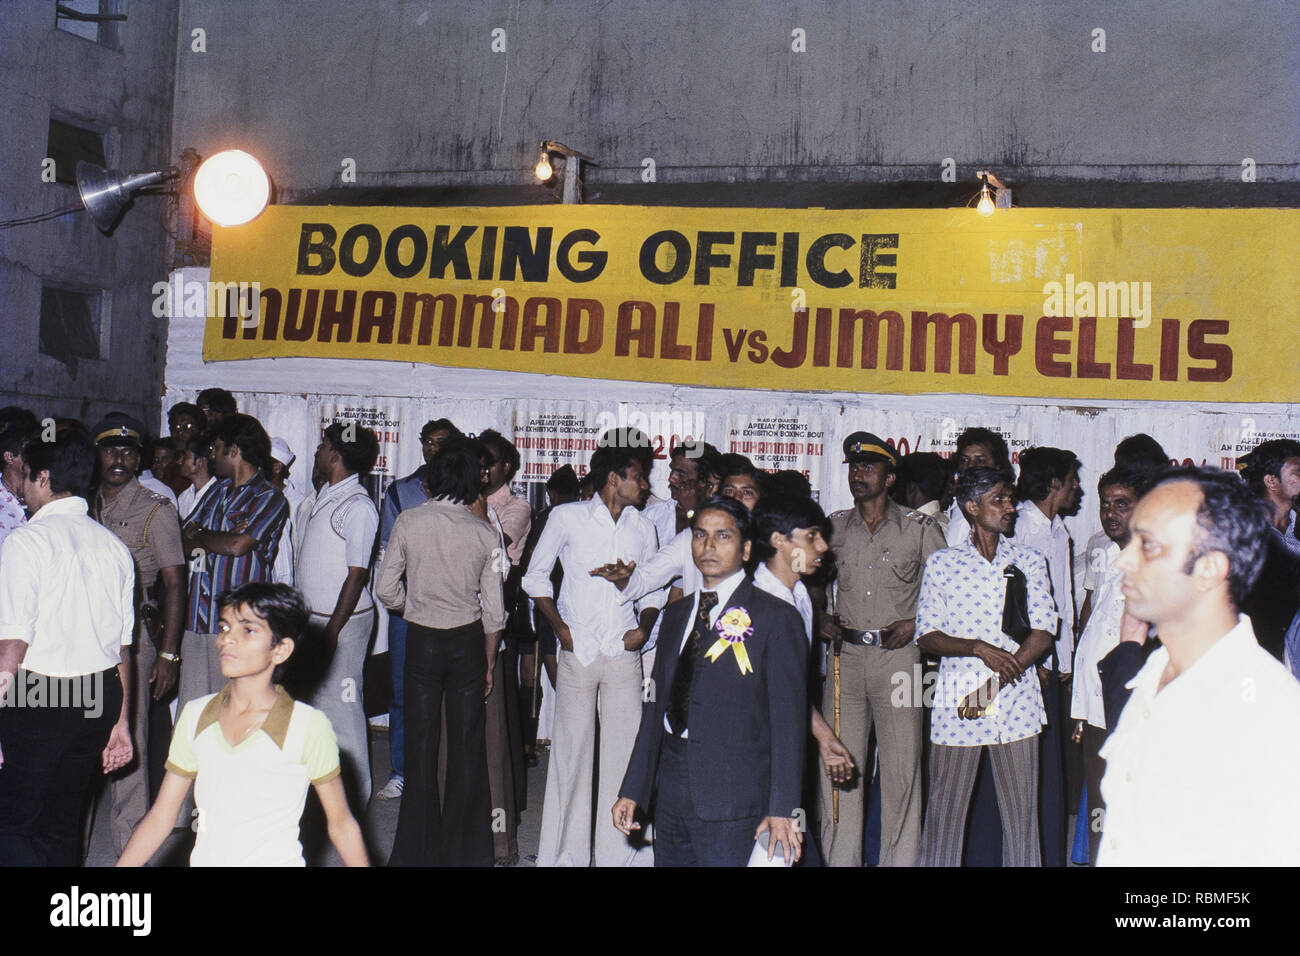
x,y
148,525
880,549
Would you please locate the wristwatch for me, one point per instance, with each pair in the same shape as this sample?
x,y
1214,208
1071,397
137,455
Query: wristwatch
x,y
169,656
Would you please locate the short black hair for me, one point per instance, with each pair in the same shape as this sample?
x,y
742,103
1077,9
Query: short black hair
x,y
502,449
454,472
1231,520
1267,459
1039,466
282,608
17,427
736,464
782,514
616,450
705,456
739,513
185,408
439,425
200,446
219,400
563,481
787,481
360,454
984,436
1141,451
70,459
247,434
974,483
634,441
1139,480
926,471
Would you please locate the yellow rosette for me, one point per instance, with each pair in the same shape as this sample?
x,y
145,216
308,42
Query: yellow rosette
x,y
734,626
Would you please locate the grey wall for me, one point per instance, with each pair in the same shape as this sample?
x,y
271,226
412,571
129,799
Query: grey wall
x,y
713,92
129,93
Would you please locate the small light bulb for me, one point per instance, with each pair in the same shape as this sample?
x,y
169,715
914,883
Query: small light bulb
x,y
985,206
544,169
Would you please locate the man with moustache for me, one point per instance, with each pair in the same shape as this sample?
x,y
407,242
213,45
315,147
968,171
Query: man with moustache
x,y
976,448
148,525
1118,492
880,549
1204,765
988,696
1272,471
724,742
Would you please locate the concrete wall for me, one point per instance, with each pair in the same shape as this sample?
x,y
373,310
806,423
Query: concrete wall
x,y
127,92
713,92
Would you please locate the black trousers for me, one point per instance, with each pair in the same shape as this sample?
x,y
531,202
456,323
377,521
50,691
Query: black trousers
x,y
51,755
457,830
681,837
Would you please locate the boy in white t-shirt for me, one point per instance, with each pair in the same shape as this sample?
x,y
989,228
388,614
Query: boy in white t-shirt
x,y
251,750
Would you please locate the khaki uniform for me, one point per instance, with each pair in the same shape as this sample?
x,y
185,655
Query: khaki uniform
x,y
148,525
879,580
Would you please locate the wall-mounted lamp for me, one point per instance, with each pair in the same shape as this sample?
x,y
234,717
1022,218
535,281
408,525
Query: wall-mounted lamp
x,y
231,188
570,161
992,195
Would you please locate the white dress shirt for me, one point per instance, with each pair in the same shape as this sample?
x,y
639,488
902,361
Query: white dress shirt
x,y
285,557
340,534
1100,634
673,564
724,590
962,595
67,589
1050,538
582,535
1205,771
153,484
189,499
798,596
958,530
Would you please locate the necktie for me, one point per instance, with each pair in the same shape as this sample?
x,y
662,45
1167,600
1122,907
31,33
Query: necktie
x,y
679,697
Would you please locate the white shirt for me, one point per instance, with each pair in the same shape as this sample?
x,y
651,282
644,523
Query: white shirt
x,y
674,563
1205,772
958,530
67,588
724,590
1033,530
189,499
582,535
153,484
962,595
340,534
663,515
285,558
1100,635
250,796
11,512
798,596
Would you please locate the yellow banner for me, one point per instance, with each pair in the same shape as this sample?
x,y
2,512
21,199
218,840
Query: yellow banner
x,y
1190,304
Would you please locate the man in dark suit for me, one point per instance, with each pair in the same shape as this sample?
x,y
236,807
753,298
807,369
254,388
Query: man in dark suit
x,y
722,733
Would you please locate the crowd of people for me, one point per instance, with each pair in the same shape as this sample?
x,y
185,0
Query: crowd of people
x,y
738,677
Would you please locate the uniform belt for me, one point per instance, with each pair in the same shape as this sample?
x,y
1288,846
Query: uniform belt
x,y
868,638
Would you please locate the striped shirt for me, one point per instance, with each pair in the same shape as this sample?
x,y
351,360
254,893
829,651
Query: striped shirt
x,y
255,508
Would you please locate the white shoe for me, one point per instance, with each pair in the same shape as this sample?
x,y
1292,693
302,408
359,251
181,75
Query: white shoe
x,y
393,789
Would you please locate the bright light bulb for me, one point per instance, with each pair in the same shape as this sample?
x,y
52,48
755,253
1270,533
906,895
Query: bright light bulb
x,y
231,188
544,169
985,206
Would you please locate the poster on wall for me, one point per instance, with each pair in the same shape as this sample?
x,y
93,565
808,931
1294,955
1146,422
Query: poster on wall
x,y
790,439
388,419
